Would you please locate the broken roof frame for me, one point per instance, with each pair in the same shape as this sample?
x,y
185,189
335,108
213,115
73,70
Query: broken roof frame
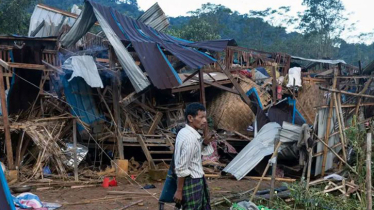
x,y
149,43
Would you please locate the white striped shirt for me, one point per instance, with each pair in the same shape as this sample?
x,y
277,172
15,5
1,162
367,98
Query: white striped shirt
x,y
188,151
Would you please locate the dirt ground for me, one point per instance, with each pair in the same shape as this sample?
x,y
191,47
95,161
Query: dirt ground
x,y
70,198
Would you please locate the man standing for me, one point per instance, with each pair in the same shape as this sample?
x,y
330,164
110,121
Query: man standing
x,y
192,190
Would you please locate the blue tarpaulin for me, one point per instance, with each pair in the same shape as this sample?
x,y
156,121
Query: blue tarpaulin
x,y
79,96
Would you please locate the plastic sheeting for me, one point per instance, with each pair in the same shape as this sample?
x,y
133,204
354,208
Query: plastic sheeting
x,y
261,146
294,74
79,96
69,153
84,23
85,67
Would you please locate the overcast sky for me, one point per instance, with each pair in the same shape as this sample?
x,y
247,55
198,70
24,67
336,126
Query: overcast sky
x,y
361,10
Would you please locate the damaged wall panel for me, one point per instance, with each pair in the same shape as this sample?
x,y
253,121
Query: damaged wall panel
x,y
229,112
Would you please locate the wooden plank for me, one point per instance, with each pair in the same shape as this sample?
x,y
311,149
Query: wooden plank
x,y
28,66
47,39
4,111
154,125
146,152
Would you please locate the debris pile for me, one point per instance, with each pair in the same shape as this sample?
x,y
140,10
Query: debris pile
x,y
82,110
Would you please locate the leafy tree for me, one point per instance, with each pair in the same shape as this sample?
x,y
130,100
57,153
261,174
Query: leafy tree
x,y
196,30
322,23
14,18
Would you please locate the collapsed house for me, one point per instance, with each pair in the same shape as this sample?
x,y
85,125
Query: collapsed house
x,y
74,100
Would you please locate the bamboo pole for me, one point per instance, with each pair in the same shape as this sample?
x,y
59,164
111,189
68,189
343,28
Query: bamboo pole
x,y
310,152
265,171
273,173
336,154
346,92
342,140
368,172
327,132
75,151
4,111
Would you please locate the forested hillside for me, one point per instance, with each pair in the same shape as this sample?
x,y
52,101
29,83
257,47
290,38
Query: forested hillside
x,y
318,36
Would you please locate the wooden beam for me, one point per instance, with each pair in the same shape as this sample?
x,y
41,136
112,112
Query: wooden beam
x,y
214,84
347,93
202,88
28,39
50,66
146,152
7,66
190,76
28,66
4,111
274,85
154,125
196,87
61,12
37,29
242,94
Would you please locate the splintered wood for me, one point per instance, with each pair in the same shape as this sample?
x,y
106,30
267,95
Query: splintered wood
x,y
47,137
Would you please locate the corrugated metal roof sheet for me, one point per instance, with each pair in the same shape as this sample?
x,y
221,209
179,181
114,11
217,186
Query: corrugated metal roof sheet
x,y
52,21
261,146
334,62
155,18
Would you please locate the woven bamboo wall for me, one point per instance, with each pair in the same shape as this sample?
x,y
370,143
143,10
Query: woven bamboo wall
x,y
310,97
229,112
